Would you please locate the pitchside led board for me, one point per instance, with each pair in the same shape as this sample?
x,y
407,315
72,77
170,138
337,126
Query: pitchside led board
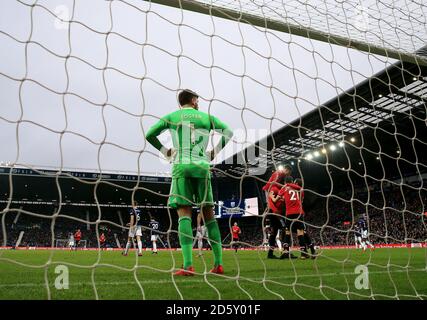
x,y
236,208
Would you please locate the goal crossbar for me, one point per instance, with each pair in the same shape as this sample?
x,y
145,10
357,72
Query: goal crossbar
x,y
284,26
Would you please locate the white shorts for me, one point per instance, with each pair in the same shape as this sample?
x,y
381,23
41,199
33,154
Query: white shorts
x,y
200,235
71,244
365,234
136,231
154,237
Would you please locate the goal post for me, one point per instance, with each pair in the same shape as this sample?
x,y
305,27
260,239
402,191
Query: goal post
x,y
65,243
62,243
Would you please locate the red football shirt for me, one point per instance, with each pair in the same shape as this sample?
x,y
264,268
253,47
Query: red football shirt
x,y
102,239
78,236
274,180
293,196
278,206
235,231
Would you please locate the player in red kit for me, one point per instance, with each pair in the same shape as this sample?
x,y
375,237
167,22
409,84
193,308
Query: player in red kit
x,y
293,195
277,177
102,241
307,238
235,232
275,205
77,238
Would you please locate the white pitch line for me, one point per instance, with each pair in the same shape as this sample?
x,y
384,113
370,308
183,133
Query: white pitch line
x,y
192,280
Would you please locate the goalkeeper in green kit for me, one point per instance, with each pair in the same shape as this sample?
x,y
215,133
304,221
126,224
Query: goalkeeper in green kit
x,y
191,178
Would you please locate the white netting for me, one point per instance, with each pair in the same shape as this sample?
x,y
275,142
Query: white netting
x,y
82,81
399,25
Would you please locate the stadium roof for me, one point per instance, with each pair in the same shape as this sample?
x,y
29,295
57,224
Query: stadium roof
x,y
23,186
384,115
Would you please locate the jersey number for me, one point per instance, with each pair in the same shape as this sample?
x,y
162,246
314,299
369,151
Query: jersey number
x,y
294,195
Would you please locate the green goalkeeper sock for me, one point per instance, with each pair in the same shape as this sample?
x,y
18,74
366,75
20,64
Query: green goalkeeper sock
x,y
215,240
186,240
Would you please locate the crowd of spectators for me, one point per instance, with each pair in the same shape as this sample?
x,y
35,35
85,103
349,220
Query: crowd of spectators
x,y
393,216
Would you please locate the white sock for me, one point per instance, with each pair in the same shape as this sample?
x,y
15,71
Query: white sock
x,y
139,246
279,244
127,247
200,245
154,246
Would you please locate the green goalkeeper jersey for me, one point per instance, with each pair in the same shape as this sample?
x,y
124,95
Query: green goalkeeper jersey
x,y
190,130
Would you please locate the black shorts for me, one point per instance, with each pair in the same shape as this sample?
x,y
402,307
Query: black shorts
x,y
235,243
277,222
295,222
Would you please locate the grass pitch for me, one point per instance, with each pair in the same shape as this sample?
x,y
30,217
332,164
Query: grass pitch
x,y
393,274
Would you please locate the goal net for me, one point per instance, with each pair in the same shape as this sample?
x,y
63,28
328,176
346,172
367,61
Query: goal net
x,y
67,243
335,91
63,243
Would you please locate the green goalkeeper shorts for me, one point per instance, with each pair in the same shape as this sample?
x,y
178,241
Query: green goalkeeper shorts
x,y
191,192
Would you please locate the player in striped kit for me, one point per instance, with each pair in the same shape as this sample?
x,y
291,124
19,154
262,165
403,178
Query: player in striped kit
x,y
266,234
358,237
362,234
154,233
135,229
